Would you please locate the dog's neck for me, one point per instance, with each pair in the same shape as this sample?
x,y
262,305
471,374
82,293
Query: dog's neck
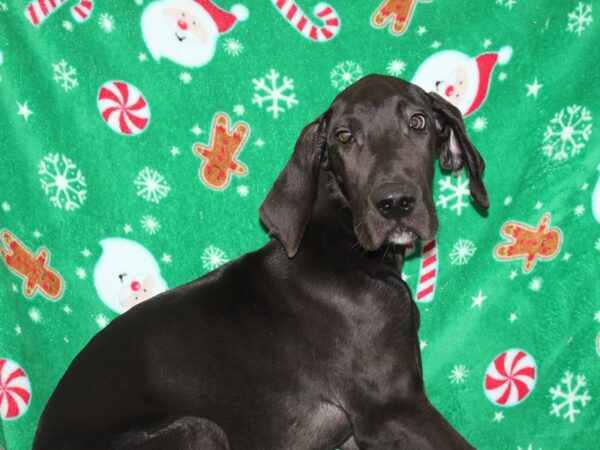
x,y
333,217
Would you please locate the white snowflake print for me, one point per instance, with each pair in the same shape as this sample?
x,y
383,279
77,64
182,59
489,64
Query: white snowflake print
x,y
101,320
579,210
458,187
396,67
67,25
502,76
166,258
536,284
3,7
421,30
529,447
233,47
150,224
597,316
35,315
344,74
513,274
185,77
274,93
567,132
462,252
81,274
67,309
597,245
5,207
508,200
106,22
63,181
570,398
487,43
196,130
239,110
479,124
436,44
580,18
213,258
151,185
18,330
458,374
507,3
498,416
242,190
65,75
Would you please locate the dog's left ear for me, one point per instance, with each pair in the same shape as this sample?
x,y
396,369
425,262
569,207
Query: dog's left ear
x,y
288,207
456,149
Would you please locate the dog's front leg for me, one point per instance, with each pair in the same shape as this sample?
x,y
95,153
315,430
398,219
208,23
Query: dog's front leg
x,y
413,424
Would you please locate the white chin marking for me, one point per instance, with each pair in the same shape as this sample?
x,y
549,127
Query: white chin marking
x,y
401,237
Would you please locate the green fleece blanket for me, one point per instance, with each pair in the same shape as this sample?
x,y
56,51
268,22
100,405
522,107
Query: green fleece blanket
x,y
112,188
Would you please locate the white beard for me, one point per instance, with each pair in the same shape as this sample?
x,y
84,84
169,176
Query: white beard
x,y
160,35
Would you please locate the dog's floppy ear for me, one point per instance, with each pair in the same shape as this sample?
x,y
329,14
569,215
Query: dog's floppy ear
x,y
456,149
288,207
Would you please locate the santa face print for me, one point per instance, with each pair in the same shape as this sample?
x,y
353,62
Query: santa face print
x,y
135,289
454,87
126,274
179,31
185,25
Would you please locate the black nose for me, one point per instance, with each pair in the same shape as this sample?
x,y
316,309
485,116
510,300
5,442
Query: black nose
x,y
394,201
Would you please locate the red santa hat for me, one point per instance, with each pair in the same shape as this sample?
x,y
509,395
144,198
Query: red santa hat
x,y
224,20
485,64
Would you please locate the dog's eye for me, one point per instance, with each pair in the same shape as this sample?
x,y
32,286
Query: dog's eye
x,y
417,122
344,136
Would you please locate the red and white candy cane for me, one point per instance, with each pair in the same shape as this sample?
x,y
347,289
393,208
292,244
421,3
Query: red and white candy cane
x,y
39,10
298,19
428,270
82,10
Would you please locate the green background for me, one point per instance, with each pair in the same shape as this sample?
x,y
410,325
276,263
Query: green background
x,y
558,315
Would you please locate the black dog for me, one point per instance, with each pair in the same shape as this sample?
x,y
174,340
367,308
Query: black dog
x,y
311,341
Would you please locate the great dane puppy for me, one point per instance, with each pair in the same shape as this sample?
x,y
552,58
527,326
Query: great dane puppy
x,y
309,342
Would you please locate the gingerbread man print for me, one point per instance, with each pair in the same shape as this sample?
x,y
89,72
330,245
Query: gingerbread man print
x,y
531,244
399,12
219,158
34,270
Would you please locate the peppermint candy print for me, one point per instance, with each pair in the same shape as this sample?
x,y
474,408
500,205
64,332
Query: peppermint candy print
x,y
510,377
15,390
292,13
123,107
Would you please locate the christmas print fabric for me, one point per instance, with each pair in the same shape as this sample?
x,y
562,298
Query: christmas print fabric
x,y
139,138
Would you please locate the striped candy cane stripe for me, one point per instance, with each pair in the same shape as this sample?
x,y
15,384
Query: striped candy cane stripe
x,y
39,10
296,17
428,272
81,12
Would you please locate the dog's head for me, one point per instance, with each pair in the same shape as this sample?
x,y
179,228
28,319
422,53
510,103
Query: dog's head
x,y
379,140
